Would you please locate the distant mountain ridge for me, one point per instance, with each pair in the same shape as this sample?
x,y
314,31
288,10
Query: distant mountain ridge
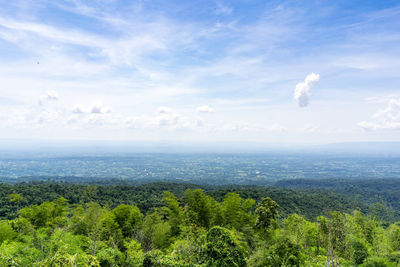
x,y
107,146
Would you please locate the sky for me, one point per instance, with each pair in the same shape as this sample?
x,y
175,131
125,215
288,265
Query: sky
x,y
200,71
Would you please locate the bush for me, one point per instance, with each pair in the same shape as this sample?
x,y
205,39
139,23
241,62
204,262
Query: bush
x,y
360,252
377,262
283,253
222,250
6,231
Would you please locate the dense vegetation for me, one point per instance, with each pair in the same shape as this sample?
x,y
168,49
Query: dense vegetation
x,y
187,228
309,203
368,191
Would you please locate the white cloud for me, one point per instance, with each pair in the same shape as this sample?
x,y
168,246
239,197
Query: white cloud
x,y
94,108
123,50
48,116
99,108
204,109
167,119
223,9
187,124
277,128
49,96
52,95
310,128
368,125
15,117
302,91
145,58
236,126
383,99
78,109
164,110
131,122
387,118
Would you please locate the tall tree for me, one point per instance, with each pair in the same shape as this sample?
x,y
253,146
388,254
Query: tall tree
x,y
222,250
266,211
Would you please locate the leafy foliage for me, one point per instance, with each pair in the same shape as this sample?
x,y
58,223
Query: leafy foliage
x,y
191,229
222,250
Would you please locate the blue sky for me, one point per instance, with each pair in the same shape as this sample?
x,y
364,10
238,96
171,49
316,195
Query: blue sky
x,y
262,71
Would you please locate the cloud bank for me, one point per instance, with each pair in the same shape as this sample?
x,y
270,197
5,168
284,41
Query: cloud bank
x,y
387,118
94,108
204,109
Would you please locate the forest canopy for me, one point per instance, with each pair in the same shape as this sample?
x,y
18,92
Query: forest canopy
x,y
190,229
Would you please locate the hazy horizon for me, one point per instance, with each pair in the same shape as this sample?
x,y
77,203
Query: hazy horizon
x,y
102,147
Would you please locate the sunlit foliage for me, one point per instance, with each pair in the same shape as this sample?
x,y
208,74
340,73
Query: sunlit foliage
x,y
192,230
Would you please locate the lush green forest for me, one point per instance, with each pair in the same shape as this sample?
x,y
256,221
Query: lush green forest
x,y
163,224
309,203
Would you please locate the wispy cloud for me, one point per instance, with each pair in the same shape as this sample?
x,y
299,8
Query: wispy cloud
x,y
136,58
223,9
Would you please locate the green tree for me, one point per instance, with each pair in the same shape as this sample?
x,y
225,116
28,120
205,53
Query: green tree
x,y
90,193
156,232
266,211
282,253
360,252
98,224
18,254
377,262
46,214
236,211
110,257
109,230
294,226
173,212
62,248
393,233
201,209
337,233
222,250
128,218
6,232
15,197
134,254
